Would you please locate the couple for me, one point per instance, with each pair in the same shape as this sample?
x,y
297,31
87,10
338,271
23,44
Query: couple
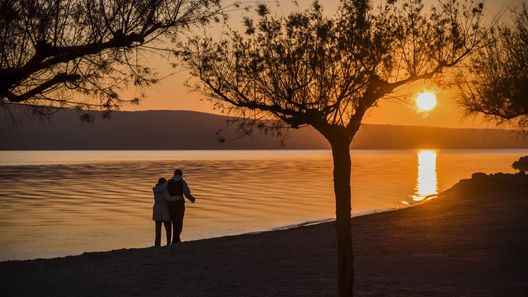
x,y
169,206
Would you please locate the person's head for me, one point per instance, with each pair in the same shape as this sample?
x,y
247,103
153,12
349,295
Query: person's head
x,y
161,181
178,172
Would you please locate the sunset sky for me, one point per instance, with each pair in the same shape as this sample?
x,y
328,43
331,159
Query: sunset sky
x,y
172,94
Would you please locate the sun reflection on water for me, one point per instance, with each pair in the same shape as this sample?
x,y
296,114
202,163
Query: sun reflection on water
x,y
426,183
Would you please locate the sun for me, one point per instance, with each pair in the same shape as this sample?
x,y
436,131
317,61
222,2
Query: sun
x,y
426,101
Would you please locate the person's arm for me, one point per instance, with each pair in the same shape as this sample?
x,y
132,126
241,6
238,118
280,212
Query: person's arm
x,y
160,189
187,192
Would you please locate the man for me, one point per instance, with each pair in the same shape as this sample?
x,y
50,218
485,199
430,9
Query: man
x,y
177,189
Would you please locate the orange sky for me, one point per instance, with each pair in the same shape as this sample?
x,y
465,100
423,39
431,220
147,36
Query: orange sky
x,y
171,93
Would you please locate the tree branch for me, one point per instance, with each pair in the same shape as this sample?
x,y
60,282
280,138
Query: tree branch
x,y
57,79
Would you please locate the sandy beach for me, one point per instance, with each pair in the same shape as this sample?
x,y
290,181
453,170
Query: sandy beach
x,y
470,241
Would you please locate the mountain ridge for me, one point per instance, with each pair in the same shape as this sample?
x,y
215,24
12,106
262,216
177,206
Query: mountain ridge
x,y
189,130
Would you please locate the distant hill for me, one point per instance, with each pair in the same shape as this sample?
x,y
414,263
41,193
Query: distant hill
x,y
188,130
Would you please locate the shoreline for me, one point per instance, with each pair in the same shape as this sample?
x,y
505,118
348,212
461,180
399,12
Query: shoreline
x,y
257,232
471,241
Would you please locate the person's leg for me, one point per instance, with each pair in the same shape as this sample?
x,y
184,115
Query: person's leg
x,y
167,225
157,240
180,213
173,216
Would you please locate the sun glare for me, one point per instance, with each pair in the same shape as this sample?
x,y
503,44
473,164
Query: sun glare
x,y
426,182
426,101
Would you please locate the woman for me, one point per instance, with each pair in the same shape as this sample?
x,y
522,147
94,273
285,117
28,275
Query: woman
x,y
160,212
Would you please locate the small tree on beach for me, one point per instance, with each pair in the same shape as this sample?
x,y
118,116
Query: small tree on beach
x,y
497,85
79,53
326,72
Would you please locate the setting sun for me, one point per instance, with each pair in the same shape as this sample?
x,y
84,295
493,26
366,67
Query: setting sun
x,y
426,101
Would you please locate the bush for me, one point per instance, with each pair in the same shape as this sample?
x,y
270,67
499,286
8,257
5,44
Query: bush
x,y
521,164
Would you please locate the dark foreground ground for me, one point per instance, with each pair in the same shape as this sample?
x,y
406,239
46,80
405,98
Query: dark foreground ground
x,y
471,241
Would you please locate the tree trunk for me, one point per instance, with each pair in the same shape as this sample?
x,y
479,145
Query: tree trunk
x,y
345,257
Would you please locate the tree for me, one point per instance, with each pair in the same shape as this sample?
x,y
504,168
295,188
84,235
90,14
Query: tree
x,y
521,164
309,69
78,53
497,84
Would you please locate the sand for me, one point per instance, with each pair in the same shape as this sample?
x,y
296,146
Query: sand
x,y
470,241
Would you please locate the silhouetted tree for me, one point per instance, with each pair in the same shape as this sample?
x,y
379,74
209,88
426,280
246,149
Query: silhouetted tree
x,y
309,69
78,53
521,164
497,84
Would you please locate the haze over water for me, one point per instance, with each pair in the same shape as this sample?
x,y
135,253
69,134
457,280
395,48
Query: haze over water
x,y
56,203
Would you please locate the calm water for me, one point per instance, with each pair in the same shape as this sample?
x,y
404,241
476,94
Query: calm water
x,y
57,203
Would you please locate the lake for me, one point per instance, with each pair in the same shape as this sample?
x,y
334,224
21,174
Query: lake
x,y
56,203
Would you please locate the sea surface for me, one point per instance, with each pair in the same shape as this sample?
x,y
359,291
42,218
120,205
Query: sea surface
x,y
57,203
